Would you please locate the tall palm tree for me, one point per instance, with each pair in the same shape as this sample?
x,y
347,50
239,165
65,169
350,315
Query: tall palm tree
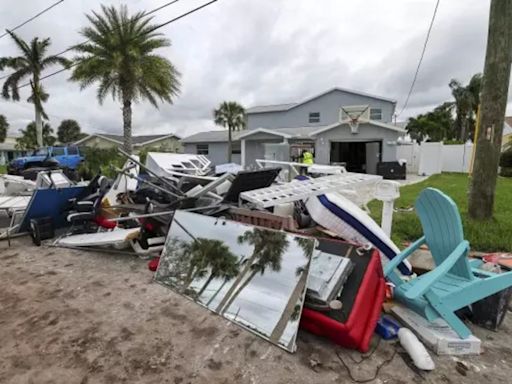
x,y
4,127
30,64
269,247
230,115
120,58
467,99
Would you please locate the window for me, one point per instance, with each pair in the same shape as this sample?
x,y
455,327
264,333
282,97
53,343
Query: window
x,y
375,114
236,149
58,151
72,151
202,149
314,117
40,152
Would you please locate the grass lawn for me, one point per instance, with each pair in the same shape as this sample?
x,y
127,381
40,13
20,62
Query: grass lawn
x,y
493,235
3,169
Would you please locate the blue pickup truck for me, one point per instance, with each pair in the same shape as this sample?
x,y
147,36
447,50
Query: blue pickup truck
x,y
56,157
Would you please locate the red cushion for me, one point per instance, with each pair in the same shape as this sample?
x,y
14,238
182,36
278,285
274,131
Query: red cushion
x,y
105,223
357,331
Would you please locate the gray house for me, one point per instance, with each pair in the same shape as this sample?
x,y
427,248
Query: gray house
x,y
337,126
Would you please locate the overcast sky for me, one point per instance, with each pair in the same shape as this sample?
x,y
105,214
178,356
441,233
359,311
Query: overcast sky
x,y
265,52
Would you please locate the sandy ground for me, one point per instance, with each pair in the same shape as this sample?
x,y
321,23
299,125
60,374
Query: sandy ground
x,y
79,317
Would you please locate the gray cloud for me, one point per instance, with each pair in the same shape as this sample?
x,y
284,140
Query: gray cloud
x,y
268,51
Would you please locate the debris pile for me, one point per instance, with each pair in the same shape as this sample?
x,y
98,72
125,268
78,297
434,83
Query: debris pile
x,y
274,255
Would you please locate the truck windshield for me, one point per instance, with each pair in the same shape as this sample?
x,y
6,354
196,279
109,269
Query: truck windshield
x,y
40,152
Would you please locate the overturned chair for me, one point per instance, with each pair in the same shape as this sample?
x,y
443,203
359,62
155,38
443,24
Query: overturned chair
x,y
455,282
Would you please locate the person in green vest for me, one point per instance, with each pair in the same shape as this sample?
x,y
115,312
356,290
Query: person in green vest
x,y
307,157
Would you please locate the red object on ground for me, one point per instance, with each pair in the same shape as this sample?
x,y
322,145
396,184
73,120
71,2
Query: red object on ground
x,y
357,331
153,263
105,223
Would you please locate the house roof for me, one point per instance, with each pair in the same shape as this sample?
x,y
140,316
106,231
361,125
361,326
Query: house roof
x,y
286,133
216,136
286,107
277,132
136,140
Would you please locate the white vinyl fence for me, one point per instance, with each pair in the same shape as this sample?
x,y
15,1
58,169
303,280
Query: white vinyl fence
x,y
432,158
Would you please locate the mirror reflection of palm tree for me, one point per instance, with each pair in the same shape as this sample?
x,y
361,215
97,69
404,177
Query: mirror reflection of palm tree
x,y
208,255
268,250
292,310
221,263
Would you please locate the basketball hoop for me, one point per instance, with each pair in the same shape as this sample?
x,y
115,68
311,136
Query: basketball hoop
x,y
351,115
354,125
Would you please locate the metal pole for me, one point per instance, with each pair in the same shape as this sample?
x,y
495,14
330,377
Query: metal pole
x,y
126,218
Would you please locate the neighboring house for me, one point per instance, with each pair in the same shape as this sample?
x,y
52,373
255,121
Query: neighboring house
x,y
214,145
168,143
320,124
8,150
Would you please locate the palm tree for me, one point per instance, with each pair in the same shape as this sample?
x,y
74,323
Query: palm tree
x,y
467,99
221,262
269,247
230,115
120,58
31,63
4,127
28,138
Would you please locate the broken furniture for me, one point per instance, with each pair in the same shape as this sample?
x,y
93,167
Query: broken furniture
x,y
49,203
302,189
163,164
84,212
254,277
118,238
248,181
455,282
362,296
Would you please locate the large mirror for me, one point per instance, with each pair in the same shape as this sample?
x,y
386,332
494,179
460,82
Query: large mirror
x,y
252,276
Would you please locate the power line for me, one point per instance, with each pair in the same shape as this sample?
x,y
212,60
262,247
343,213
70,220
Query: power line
x,y
32,18
421,59
144,14
151,30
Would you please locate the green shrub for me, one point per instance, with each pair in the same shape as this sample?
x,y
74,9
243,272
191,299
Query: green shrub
x,y
506,159
100,161
506,172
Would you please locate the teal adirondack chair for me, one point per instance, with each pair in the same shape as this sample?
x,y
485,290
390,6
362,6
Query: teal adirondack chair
x,y
455,282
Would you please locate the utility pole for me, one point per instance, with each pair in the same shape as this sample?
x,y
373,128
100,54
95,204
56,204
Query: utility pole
x,y
492,110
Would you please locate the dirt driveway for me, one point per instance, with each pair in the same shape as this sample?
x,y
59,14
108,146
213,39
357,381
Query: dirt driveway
x,y
79,317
